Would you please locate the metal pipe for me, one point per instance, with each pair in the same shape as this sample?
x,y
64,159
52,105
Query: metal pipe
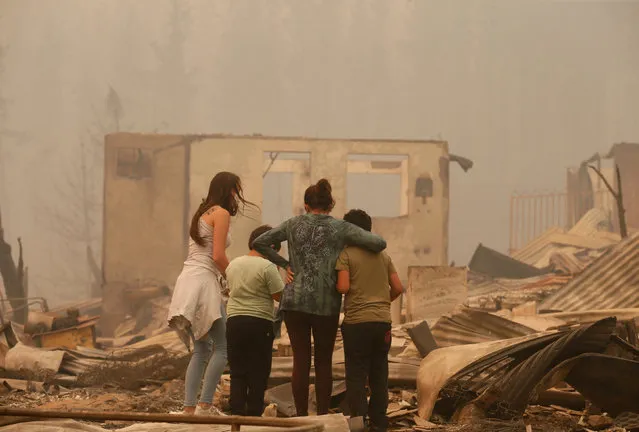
x,y
289,425
30,301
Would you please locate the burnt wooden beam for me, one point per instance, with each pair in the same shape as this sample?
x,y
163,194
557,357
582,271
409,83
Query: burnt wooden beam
x,y
298,425
12,277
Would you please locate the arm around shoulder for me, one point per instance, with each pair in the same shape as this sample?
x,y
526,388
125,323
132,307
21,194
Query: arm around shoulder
x,y
263,244
355,236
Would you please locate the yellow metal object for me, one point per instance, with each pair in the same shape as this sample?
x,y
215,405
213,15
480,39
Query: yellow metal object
x,y
71,338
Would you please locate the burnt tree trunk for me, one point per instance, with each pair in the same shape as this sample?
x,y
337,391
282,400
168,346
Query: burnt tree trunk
x,y
618,196
12,277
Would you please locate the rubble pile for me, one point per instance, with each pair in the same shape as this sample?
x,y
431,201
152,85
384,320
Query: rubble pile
x,y
132,370
164,398
542,340
542,267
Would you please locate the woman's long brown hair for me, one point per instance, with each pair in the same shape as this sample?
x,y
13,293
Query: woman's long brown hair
x,y
225,190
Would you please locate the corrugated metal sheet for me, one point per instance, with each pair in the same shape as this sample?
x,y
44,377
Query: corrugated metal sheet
x,y
481,286
572,260
483,293
166,338
594,221
591,232
76,363
549,252
492,263
534,251
566,262
467,326
83,306
590,316
555,239
508,379
612,281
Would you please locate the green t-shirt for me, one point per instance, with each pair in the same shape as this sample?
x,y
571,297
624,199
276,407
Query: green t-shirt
x,y
368,298
252,281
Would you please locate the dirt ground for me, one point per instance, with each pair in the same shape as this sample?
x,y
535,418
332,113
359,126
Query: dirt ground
x,y
152,399
168,397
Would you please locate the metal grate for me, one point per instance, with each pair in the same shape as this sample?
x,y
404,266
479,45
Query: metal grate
x,y
532,214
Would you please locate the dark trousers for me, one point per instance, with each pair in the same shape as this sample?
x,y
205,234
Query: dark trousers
x,y
366,348
324,328
249,343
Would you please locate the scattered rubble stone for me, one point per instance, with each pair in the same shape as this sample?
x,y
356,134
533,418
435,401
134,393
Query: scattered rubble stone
x,y
599,422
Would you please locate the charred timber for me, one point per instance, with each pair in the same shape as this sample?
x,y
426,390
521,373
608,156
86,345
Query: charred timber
x,y
290,425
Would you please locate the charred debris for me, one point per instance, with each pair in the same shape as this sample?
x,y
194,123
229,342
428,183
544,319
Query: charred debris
x,y
542,339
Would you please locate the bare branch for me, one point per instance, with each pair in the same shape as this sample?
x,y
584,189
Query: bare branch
x,y
603,178
618,195
273,156
114,107
623,227
75,215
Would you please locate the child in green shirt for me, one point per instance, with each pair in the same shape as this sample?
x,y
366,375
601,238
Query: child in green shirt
x,y
254,283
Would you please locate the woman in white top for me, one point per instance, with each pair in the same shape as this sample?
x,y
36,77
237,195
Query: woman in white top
x,y
197,308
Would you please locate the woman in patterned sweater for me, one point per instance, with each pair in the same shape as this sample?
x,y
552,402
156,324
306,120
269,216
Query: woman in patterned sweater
x,y
310,303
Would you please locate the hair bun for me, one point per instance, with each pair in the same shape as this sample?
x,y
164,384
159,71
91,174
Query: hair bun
x,y
319,196
324,186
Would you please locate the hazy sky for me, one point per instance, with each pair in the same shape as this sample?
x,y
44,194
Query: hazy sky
x,y
524,88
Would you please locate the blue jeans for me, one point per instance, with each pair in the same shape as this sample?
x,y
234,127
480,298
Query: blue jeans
x,y
215,342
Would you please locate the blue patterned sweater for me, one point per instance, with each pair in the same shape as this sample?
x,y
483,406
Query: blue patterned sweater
x,y
314,243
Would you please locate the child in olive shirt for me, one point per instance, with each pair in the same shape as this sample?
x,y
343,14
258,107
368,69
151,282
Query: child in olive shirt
x,y
254,283
370,283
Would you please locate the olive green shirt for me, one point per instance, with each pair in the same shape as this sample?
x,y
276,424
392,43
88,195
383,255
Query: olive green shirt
x,y
368,298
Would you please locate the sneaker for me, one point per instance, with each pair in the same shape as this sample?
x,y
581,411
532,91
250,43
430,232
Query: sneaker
x,y
210,411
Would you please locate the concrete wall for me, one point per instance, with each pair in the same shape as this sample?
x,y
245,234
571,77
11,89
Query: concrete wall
x,y
143,241
626,156
419,238
584,194
144,230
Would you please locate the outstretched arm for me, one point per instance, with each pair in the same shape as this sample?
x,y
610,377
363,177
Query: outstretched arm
x,y
264,242
355,236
